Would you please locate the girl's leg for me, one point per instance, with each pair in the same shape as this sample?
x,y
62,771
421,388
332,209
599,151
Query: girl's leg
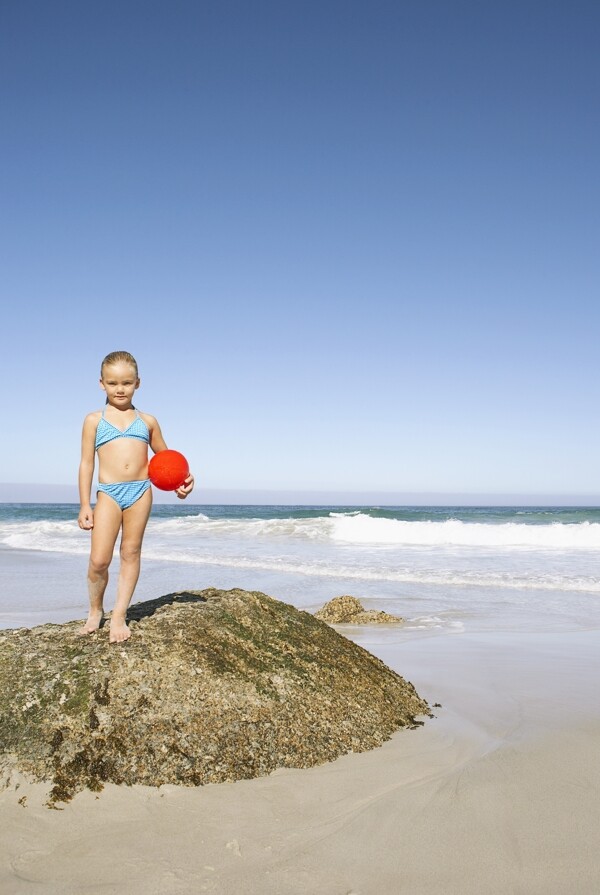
x,y
135,518
107,522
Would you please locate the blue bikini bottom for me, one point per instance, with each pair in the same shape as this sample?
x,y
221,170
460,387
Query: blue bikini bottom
x,y
125,493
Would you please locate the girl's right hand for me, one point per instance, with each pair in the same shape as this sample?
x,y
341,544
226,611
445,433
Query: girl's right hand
x,y
86,518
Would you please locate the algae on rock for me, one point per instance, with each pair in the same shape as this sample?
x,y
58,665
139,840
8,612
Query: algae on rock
x,y
212,686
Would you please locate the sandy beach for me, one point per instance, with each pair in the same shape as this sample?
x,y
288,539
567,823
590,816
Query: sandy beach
x,y
499,793
353,251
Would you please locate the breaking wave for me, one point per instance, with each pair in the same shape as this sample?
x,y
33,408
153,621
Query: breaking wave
x,y
343,528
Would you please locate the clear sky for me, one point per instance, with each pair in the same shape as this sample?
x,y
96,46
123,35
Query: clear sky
x,y
353,245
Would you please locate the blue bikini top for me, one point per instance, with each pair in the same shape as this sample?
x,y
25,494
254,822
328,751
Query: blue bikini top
x,y
107,432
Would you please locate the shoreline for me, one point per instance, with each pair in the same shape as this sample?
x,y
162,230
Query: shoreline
x,y
497,793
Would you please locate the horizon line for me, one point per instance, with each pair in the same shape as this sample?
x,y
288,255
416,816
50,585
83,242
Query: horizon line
x,y
12,492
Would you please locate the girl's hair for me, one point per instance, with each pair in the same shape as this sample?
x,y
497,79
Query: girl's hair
x,y
116,357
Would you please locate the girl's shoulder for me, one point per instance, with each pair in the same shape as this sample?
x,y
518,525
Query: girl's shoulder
x,y
93,418
148,418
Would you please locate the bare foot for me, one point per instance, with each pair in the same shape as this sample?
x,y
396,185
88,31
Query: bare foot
x,y
93,623
118,630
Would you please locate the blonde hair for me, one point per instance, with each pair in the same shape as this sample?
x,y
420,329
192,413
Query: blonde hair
x,y
116,357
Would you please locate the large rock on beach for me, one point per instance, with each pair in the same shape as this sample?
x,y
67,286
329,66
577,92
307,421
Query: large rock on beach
x,y
349,610
212,686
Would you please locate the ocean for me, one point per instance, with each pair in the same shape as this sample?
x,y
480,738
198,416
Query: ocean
x,y
443,569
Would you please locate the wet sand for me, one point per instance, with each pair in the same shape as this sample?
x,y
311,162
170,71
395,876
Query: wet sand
x,y
500,793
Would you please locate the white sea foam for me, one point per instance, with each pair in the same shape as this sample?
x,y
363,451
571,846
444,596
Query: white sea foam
x,y
433,622
327,569
318,528
432,554
362,529
59,537
359,528
350,528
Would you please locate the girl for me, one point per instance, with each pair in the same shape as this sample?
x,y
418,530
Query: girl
x,y
120,435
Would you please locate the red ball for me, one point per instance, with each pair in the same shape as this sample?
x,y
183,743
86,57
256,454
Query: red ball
x,y
168,470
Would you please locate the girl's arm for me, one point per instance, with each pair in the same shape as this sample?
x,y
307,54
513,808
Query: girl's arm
x,y
157,443
86,471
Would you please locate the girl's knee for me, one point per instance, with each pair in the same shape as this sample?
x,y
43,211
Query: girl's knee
x,y
99,564
130,553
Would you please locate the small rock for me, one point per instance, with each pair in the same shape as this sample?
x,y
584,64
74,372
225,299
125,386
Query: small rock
x,y
349,610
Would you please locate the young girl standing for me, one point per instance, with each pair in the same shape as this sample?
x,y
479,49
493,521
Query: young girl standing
x,y
120,435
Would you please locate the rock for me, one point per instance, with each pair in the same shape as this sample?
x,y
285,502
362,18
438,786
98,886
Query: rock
x,y
348,610
212,686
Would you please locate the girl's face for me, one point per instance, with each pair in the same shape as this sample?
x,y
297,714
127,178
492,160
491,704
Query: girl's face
x,y
119,381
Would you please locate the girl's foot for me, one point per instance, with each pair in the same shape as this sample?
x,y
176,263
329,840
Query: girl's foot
x,y
93,623
118,630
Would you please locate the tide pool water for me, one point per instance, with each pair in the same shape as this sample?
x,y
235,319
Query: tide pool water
x,y
445,569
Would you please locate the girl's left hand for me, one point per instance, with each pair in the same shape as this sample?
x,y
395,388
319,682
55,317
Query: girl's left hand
x,y
187,487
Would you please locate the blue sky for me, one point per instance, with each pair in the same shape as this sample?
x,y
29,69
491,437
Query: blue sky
x,y
354,246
